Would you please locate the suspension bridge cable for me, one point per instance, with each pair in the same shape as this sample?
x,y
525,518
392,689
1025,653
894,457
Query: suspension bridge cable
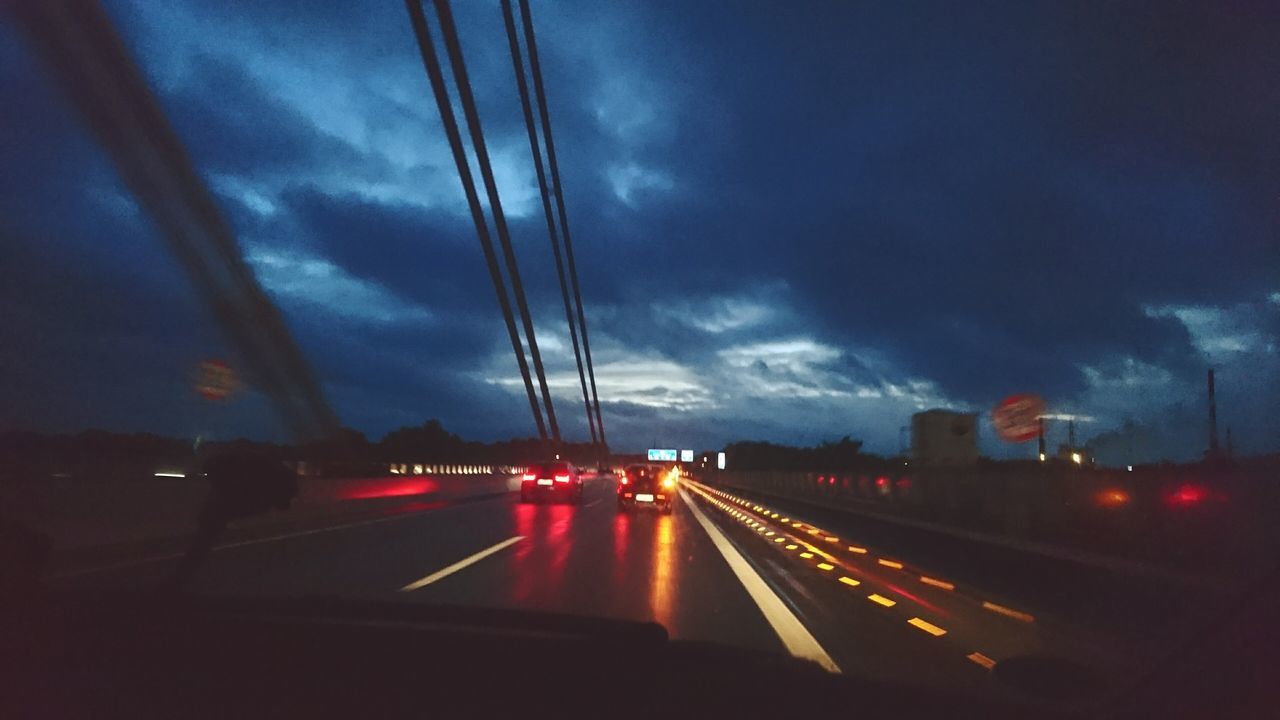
x,y
535,69
434,72
535,150
454,48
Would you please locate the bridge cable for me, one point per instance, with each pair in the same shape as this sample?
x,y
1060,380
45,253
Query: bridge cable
x,y
535,69
535,150
465,96
434,72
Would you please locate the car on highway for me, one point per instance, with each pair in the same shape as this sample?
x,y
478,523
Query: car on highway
x,y
556,480
643,485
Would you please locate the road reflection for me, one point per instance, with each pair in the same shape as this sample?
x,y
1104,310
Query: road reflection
x,y
621,542
663,578
547,528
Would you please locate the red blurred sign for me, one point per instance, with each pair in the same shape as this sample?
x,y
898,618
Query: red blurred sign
x,y
215,380
1017,417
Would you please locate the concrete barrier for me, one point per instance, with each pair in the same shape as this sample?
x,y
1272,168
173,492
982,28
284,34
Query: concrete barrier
x,y
87,512
1187,516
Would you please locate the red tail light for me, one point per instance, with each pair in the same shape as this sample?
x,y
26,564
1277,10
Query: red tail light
x,y
624,480
530,476
562,478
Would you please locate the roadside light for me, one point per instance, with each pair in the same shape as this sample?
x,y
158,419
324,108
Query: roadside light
x,y
1075,458
1130,467
1113,497
1041,457
668,482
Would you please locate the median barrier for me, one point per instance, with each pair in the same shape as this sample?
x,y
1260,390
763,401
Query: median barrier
x,y
1190,517
79,512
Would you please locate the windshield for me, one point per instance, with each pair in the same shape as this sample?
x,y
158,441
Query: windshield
x,y
963,356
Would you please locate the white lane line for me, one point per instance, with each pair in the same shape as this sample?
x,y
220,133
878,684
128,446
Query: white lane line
x,y
793,634
463,563
241,543
224,546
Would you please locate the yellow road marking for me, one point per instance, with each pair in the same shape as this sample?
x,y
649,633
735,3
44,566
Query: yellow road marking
x,y
926,626
982,660
937,583
1008,612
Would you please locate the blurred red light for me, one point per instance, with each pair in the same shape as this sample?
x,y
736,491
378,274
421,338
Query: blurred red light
x,y
368,489
882,481
562,478
530,476
1187,494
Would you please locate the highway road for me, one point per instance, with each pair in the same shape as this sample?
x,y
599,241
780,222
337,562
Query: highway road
x,y
721,568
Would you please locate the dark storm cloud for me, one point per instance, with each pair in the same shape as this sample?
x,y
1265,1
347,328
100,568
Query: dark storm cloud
x,y
231,124
792,222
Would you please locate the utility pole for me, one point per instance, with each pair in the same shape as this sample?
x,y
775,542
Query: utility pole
x,y
1213,419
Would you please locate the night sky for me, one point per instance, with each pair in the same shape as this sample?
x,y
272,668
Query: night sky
x,y
793,221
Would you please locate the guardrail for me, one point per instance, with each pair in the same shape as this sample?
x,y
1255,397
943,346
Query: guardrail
x,y
86,511
1188,517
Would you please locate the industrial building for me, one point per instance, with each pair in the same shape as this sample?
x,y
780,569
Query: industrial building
x,y
944,437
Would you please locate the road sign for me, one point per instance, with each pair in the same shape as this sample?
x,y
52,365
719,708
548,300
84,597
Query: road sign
x,y
720,460
1017,417
663,455
215,380
686,456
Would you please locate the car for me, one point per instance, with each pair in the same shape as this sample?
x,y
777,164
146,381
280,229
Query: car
x,y
647,486
555,480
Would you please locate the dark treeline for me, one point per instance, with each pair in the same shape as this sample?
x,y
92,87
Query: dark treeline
x,y
843,454
25,453
431,442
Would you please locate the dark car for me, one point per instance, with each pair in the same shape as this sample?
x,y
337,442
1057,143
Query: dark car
x,y
646,486
557,480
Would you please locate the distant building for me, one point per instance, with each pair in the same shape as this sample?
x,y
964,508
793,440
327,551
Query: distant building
x,y
944,437
1076,455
